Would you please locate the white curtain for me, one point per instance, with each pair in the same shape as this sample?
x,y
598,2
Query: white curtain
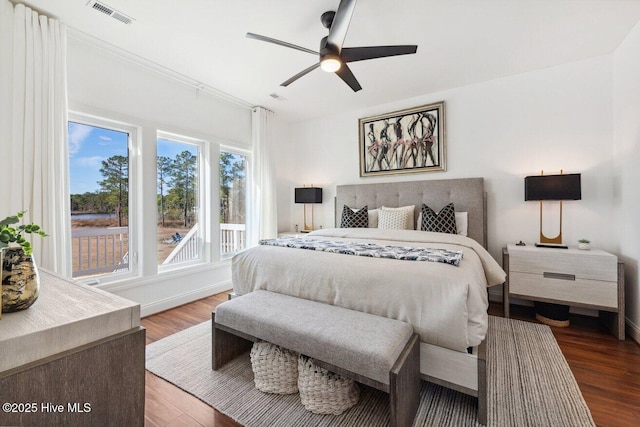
x,y
33,123
264,217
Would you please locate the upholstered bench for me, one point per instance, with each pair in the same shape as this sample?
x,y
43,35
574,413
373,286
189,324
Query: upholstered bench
x,y
380,352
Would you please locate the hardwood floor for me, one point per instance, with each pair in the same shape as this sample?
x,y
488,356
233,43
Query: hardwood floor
x,y
606,369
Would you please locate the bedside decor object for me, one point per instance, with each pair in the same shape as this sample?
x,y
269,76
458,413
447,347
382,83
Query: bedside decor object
x,y
308,195
20,280
407,141
552,187
584,244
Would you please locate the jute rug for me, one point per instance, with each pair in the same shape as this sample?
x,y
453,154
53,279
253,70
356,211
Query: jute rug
x,y
529,382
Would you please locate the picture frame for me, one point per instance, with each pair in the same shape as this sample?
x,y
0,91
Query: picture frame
x,y
406,141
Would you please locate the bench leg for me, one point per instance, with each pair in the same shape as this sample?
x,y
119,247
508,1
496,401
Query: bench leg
x,y
482,383
225,346
404,385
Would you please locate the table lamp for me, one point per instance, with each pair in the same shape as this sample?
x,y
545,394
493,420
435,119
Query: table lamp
x,y
308,195
552,187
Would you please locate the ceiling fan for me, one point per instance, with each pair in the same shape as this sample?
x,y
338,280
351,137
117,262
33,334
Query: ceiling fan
x,y
334,57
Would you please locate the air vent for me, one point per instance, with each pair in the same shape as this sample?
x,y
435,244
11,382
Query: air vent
x,y
278,97
109,11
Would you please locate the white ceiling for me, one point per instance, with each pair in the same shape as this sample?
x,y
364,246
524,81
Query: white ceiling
x,y
459,42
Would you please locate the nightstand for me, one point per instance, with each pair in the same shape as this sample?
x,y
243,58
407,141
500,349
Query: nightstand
x,y
291,234
591,279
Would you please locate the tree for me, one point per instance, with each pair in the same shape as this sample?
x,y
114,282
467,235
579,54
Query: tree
x,y
232,188
115,185
183,182
164,172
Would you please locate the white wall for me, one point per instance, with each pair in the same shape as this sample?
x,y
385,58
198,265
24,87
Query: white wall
x,y
627,173
502,130
106,84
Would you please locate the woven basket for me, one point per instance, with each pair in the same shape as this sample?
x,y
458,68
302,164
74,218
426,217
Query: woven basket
x,y
275,369
324,392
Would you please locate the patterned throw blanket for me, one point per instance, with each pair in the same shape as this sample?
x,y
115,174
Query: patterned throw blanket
x,y
405,253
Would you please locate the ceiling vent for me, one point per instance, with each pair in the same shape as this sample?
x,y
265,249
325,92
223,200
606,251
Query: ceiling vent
x,y
109,11
278,97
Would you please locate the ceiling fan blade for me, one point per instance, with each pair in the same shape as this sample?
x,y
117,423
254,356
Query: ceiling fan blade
x,y
279,42
300,74
352,54
347,76
340,25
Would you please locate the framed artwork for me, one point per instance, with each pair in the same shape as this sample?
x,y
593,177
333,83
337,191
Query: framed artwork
x,y
407,141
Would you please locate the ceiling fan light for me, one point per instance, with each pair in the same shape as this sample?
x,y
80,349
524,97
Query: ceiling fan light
x,y
330,63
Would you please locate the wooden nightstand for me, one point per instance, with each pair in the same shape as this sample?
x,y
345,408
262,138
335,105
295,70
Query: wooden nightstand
x,y
591,279
291,234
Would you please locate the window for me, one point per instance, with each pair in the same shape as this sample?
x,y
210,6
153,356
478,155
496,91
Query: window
x,y
233,202
178,196
99,169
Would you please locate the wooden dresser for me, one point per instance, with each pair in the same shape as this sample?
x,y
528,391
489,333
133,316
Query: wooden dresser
x,y
76,357
591,279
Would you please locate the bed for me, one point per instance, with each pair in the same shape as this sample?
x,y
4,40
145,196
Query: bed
x,y
446,304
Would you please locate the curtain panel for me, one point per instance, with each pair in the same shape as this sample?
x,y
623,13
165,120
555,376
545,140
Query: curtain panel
x,y
264,215
33,123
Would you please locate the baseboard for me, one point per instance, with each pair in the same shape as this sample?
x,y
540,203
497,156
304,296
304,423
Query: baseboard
x,y
177,300
633,331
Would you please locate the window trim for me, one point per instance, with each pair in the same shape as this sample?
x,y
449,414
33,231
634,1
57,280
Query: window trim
x,y
204,203
134,219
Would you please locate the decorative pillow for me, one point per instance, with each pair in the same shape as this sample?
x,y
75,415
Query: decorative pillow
x,y
373,217
462,222
441,222
393,219
354,219
409,210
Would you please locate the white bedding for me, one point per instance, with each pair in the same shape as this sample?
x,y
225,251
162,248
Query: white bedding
x,y
446,305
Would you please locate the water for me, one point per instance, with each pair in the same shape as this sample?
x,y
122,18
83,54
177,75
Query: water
x,y
93,216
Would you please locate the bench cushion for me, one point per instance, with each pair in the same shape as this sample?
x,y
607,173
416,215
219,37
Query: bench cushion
x,y
320,331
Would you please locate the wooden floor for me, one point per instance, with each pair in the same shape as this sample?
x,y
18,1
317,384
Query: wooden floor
x,y
607,370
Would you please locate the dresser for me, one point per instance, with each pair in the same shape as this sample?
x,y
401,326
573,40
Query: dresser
x,y
591,279
75,357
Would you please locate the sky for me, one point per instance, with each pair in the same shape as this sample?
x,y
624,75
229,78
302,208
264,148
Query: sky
x,y
90,145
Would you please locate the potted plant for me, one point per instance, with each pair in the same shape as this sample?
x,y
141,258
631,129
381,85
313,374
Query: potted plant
x,y
20,281
584,244
9,234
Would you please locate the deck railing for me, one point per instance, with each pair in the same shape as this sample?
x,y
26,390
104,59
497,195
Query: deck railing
x,y
105,250
99,250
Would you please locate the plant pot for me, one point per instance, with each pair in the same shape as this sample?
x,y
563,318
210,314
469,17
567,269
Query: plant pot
x,y
584,246
552,314
20,280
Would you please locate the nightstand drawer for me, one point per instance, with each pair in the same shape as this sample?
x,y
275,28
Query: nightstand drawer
x,y
562,288
595,265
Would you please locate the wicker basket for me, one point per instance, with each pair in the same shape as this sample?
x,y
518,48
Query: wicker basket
x,y
275,369
324,392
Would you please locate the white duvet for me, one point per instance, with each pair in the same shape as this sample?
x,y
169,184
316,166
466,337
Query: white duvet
x,y
446,305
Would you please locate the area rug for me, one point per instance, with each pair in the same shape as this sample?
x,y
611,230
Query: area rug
x,y
529,384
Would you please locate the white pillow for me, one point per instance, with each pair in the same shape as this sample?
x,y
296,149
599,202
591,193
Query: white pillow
x,y
393,219
409,219
372,216
462,222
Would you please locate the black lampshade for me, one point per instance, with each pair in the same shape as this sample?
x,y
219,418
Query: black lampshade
x,y
308,195
553,187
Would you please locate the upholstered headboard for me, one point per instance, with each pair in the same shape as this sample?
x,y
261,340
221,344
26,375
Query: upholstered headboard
x,y
467,195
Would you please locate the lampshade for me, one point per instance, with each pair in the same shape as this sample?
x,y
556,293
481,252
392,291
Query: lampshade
x,y
552,187
308,195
